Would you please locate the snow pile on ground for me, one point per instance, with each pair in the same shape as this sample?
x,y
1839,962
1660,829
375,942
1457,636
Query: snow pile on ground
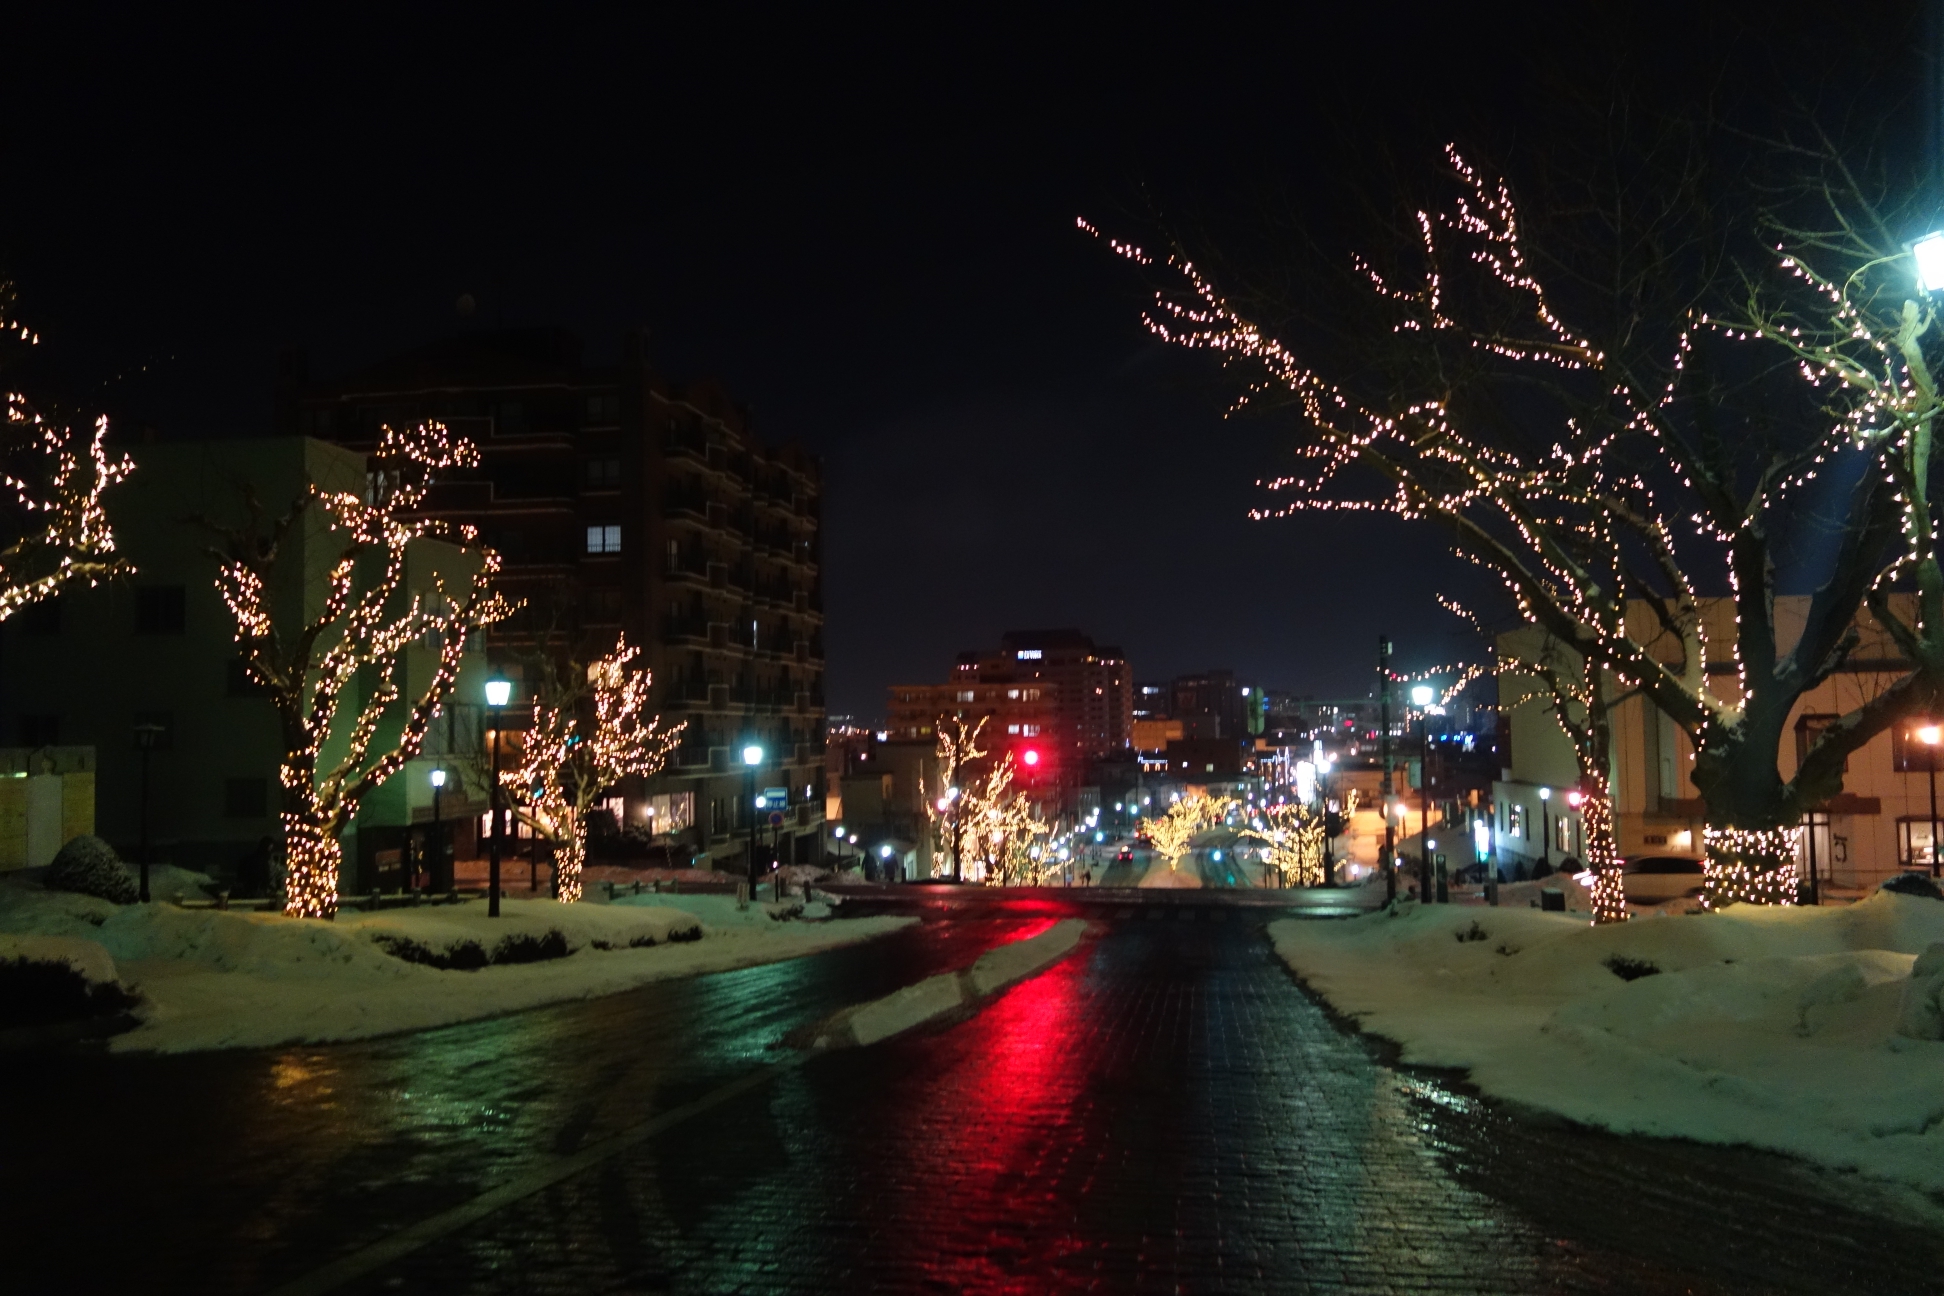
x,y
85,958
719,913
213,978
1160,875
1773,1027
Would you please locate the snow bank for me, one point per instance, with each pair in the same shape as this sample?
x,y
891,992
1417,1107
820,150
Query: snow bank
x,y
86,958
1773,1027
227,979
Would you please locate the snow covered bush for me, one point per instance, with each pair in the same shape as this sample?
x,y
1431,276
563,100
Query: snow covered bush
x,y
1921,1015
1914,884
89,866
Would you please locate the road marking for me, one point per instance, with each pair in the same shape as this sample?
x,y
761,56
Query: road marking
x,y
407,1240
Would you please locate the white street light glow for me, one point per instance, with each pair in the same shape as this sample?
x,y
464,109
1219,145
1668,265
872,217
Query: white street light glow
x,y
1929,251
1422,694
752,755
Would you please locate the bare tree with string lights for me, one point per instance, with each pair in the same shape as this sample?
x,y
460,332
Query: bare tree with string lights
x,y
56,475
1607,482
589,733
337,674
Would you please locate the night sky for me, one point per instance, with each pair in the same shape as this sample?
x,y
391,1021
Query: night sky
x,y
863,226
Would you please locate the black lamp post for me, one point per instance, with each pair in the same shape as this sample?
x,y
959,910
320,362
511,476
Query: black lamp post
x,y
437,843
1930,735
498,693
752,756
1545,827
146,735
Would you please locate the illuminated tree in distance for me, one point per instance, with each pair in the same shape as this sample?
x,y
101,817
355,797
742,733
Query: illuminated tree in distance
x,y
564,770
1173,832
1629,475
356,643
56,476
958,752
1291,835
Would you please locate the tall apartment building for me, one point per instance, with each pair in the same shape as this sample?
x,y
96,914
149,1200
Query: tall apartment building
x,y
1054,691
622,502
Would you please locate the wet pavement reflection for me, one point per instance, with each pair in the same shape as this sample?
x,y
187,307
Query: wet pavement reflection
x,y
1166,1111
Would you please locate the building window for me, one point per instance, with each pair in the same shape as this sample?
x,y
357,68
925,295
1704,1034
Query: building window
x,y
718,816
967,695
245,798
603,407
42,618
604,605
1029,654
604,473
1012,729
159,609
1515,820
40,730
1915,846
604,539
1032,731
512,416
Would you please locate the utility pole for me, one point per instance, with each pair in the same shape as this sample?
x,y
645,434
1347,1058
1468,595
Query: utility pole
x,y
1389,859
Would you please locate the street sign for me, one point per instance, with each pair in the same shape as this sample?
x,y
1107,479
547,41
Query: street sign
x,y
776,818
777,796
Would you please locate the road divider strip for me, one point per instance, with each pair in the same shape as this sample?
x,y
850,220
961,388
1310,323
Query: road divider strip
x,y
948,992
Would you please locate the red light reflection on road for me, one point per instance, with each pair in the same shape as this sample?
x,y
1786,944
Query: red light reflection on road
x,y
992,1120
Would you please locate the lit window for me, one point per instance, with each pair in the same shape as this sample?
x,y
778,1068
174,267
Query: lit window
x,y
1013,694
1029,731
1012,729
1029,654
966,695
604,539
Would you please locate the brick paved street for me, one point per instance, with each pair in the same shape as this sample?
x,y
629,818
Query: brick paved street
x,y
1166,1111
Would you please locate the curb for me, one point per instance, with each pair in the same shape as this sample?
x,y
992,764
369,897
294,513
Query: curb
x,y
936,996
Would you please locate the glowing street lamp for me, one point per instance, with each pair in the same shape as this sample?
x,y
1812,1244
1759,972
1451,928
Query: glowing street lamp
x,y
1545,826
1929,251
499,692
752,755
1421,695
437,842
1930,735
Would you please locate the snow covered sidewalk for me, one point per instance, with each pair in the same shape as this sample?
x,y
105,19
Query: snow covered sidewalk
x,y
230,979
1773,1027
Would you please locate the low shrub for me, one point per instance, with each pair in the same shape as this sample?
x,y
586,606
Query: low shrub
x,y
1629,969
89,866
685,934
524,948
41,992
470,955
1471,933
464,956
1914,884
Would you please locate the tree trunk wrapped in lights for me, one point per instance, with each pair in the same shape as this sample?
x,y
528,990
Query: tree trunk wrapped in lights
x,y
1560,458
565,768
357,642
56,476
999,828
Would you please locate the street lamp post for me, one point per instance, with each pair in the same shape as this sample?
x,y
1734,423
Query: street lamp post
x,y
1421,698
1545,827
752,758
145,736
1389,858
1929,735
498,693
438,837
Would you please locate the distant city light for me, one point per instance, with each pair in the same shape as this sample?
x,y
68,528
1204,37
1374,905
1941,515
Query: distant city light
x,y
1421,695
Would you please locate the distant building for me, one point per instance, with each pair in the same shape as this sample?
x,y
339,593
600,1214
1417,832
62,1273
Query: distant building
x,y
1055,692
623,502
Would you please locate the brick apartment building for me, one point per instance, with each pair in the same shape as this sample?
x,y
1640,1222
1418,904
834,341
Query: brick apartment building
x,y
1054,691
623,502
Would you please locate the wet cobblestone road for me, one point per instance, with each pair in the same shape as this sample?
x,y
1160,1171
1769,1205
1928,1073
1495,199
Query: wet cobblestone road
x,y
1165,1111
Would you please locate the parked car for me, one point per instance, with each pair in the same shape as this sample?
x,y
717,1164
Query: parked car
x,y
1652,879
